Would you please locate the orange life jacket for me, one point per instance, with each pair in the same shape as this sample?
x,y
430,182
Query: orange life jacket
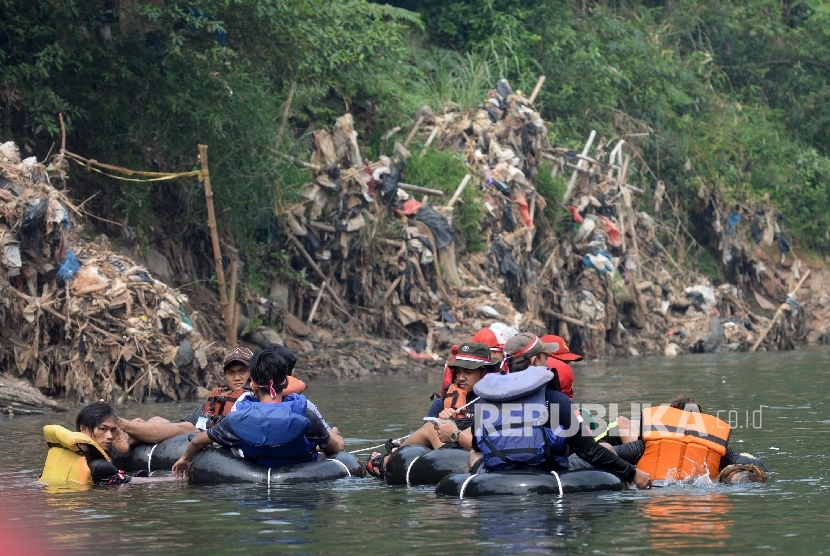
x,y
221,400
455,397
682,444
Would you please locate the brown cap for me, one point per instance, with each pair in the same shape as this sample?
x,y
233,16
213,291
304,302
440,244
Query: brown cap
x,y
238,355
525,345
471,355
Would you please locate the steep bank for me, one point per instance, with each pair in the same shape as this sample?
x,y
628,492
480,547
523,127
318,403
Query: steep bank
x,y
584,242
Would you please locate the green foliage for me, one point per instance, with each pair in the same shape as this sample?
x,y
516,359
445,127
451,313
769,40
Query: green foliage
x,y
444,170
142,86
710,267
732,95
552,189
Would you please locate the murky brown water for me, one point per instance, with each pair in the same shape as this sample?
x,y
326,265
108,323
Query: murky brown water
x,y
789,514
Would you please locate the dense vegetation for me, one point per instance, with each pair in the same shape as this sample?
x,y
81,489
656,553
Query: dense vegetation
x,y
733,94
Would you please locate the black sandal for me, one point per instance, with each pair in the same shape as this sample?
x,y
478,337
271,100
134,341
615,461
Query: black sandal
x,y
375,466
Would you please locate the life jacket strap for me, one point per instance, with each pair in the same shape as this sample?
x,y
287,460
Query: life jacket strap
x,y
689,432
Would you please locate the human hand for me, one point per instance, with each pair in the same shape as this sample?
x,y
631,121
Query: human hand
x,y
181,468
444,430
335,430
448,413
642,480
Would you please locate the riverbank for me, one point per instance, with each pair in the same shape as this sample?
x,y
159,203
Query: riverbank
x,y
508,230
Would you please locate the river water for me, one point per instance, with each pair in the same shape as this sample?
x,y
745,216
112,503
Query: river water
x,y
785,393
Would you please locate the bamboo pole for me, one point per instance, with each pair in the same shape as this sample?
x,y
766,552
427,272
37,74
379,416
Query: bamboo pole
x,y
214,236
232,303
420,189
536,89
63,135
430,139
316,302
778,312
532,231
579,166
459,190
413,132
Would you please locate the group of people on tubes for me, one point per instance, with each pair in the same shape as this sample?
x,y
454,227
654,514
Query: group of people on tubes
x,y
263,416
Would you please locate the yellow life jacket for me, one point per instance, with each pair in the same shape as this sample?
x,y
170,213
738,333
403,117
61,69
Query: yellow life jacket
x,y
65,463
682,444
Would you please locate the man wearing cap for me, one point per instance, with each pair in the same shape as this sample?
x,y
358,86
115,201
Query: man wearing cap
x,y
217,406
467,366
522,352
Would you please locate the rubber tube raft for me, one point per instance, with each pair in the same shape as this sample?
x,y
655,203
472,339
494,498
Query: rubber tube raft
x,y
527,481
416,465
219,465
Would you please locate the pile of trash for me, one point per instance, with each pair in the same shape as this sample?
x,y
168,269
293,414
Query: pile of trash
x,y
610,286
77,319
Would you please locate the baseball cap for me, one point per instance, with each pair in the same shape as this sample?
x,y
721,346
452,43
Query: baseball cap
x,y
238,355
564,353
566,375
471,355
525,345
493,339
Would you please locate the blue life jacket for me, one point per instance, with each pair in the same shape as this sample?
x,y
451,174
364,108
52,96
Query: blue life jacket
x,y
273,434
511,427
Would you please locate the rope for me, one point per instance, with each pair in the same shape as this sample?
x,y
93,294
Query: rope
x,y
379,445
157,176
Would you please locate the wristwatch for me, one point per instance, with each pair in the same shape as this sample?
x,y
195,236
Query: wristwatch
x,y
454,436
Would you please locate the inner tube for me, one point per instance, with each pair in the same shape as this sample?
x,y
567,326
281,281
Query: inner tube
x,y
416,465
219,465
520,482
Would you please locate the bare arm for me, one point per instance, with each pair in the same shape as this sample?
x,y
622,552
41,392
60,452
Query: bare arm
x,y
155,430
182,467
445,429
336,442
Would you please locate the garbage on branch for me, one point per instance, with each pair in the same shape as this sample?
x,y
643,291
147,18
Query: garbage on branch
x,y
76,318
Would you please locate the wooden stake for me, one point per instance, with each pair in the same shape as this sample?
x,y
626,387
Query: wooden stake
x,y
316,302
232,307
532,231
413,132
536,89
214,236
459,190
778,312
579,166
430,139
235,325
63,135
419,189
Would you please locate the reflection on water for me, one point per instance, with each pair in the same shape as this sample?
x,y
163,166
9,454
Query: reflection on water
x,y
353,516
681,523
